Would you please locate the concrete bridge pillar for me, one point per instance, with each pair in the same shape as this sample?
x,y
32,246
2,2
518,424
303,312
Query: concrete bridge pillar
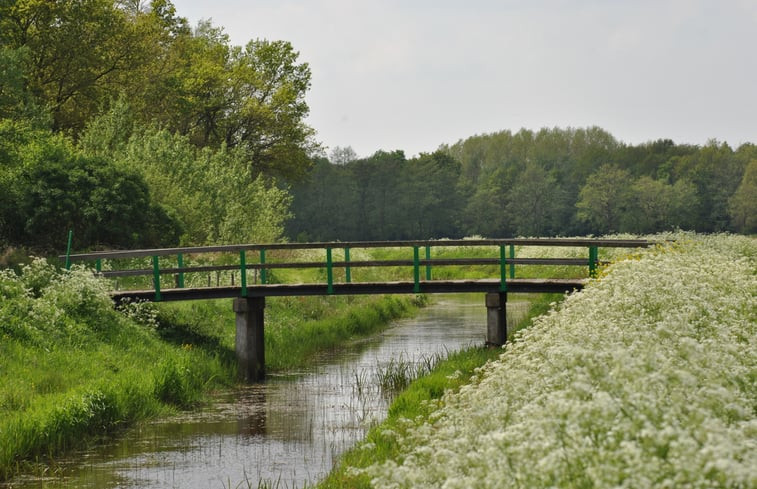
x,y
249,343
496,318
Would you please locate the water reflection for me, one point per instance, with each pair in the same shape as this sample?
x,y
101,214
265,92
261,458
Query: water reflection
x,y
288,431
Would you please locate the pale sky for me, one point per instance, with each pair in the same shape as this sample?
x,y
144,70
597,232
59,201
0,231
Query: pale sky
x,y
415,74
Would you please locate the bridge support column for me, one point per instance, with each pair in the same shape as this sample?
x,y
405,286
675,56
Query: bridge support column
x,y
496,318
249,338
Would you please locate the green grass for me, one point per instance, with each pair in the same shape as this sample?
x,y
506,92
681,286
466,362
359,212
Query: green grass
x,y
73,369
417,403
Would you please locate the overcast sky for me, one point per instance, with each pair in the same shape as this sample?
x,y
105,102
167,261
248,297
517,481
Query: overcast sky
x,y
414,74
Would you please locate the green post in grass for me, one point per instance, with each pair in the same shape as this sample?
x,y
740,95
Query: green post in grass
x,y
68,248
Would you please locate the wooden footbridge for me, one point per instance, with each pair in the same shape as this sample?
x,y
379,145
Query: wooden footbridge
x,y
171,276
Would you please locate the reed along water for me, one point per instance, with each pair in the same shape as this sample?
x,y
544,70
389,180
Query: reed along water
x,y
286,432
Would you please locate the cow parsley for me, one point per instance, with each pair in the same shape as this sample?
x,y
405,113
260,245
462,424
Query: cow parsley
x,y
647,378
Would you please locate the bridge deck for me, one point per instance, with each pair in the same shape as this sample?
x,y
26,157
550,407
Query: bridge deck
x,y
361,288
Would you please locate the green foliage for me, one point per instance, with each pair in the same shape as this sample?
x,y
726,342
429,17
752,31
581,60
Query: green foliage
x,y
108,133
53,189
743,203
716,171
76,57
77,50
537,205
134,84
544,183
209,191
605,198
15,99
658,206
382,197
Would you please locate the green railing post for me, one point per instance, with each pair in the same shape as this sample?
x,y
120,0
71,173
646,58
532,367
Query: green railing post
x,y
416,270
512,264
502,269
428,265
68,248
156,277
243,270
347,274
263,275
180,260
98,265
329,272
593,257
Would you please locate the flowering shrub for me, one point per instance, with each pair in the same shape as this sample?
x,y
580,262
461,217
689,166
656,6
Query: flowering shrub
x,y
648,378
42,305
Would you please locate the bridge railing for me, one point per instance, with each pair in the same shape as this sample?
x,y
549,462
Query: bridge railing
x,y
422,262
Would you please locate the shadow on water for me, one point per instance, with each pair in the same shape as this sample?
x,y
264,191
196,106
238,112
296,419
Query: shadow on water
x,y
287,431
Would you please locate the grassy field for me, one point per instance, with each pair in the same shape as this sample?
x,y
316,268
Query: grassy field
x,y
648,378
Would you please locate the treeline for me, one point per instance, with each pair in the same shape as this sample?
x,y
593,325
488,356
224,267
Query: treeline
x,y
120,121
530,183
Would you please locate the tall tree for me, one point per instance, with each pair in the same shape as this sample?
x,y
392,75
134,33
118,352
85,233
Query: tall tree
x,y
657,206
536,203
268,108
76,48
429,197
743,203
716,172
604,199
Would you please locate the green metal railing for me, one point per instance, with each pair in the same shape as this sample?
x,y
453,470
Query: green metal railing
x,y
505,261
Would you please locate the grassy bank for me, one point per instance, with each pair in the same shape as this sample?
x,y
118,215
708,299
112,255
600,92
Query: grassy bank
x,y
645,379
73,369
416,404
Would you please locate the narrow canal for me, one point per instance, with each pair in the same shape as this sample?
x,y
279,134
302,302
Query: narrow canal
x,y
287,431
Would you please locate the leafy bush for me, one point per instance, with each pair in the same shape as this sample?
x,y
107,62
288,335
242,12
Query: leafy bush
x,y
48,188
